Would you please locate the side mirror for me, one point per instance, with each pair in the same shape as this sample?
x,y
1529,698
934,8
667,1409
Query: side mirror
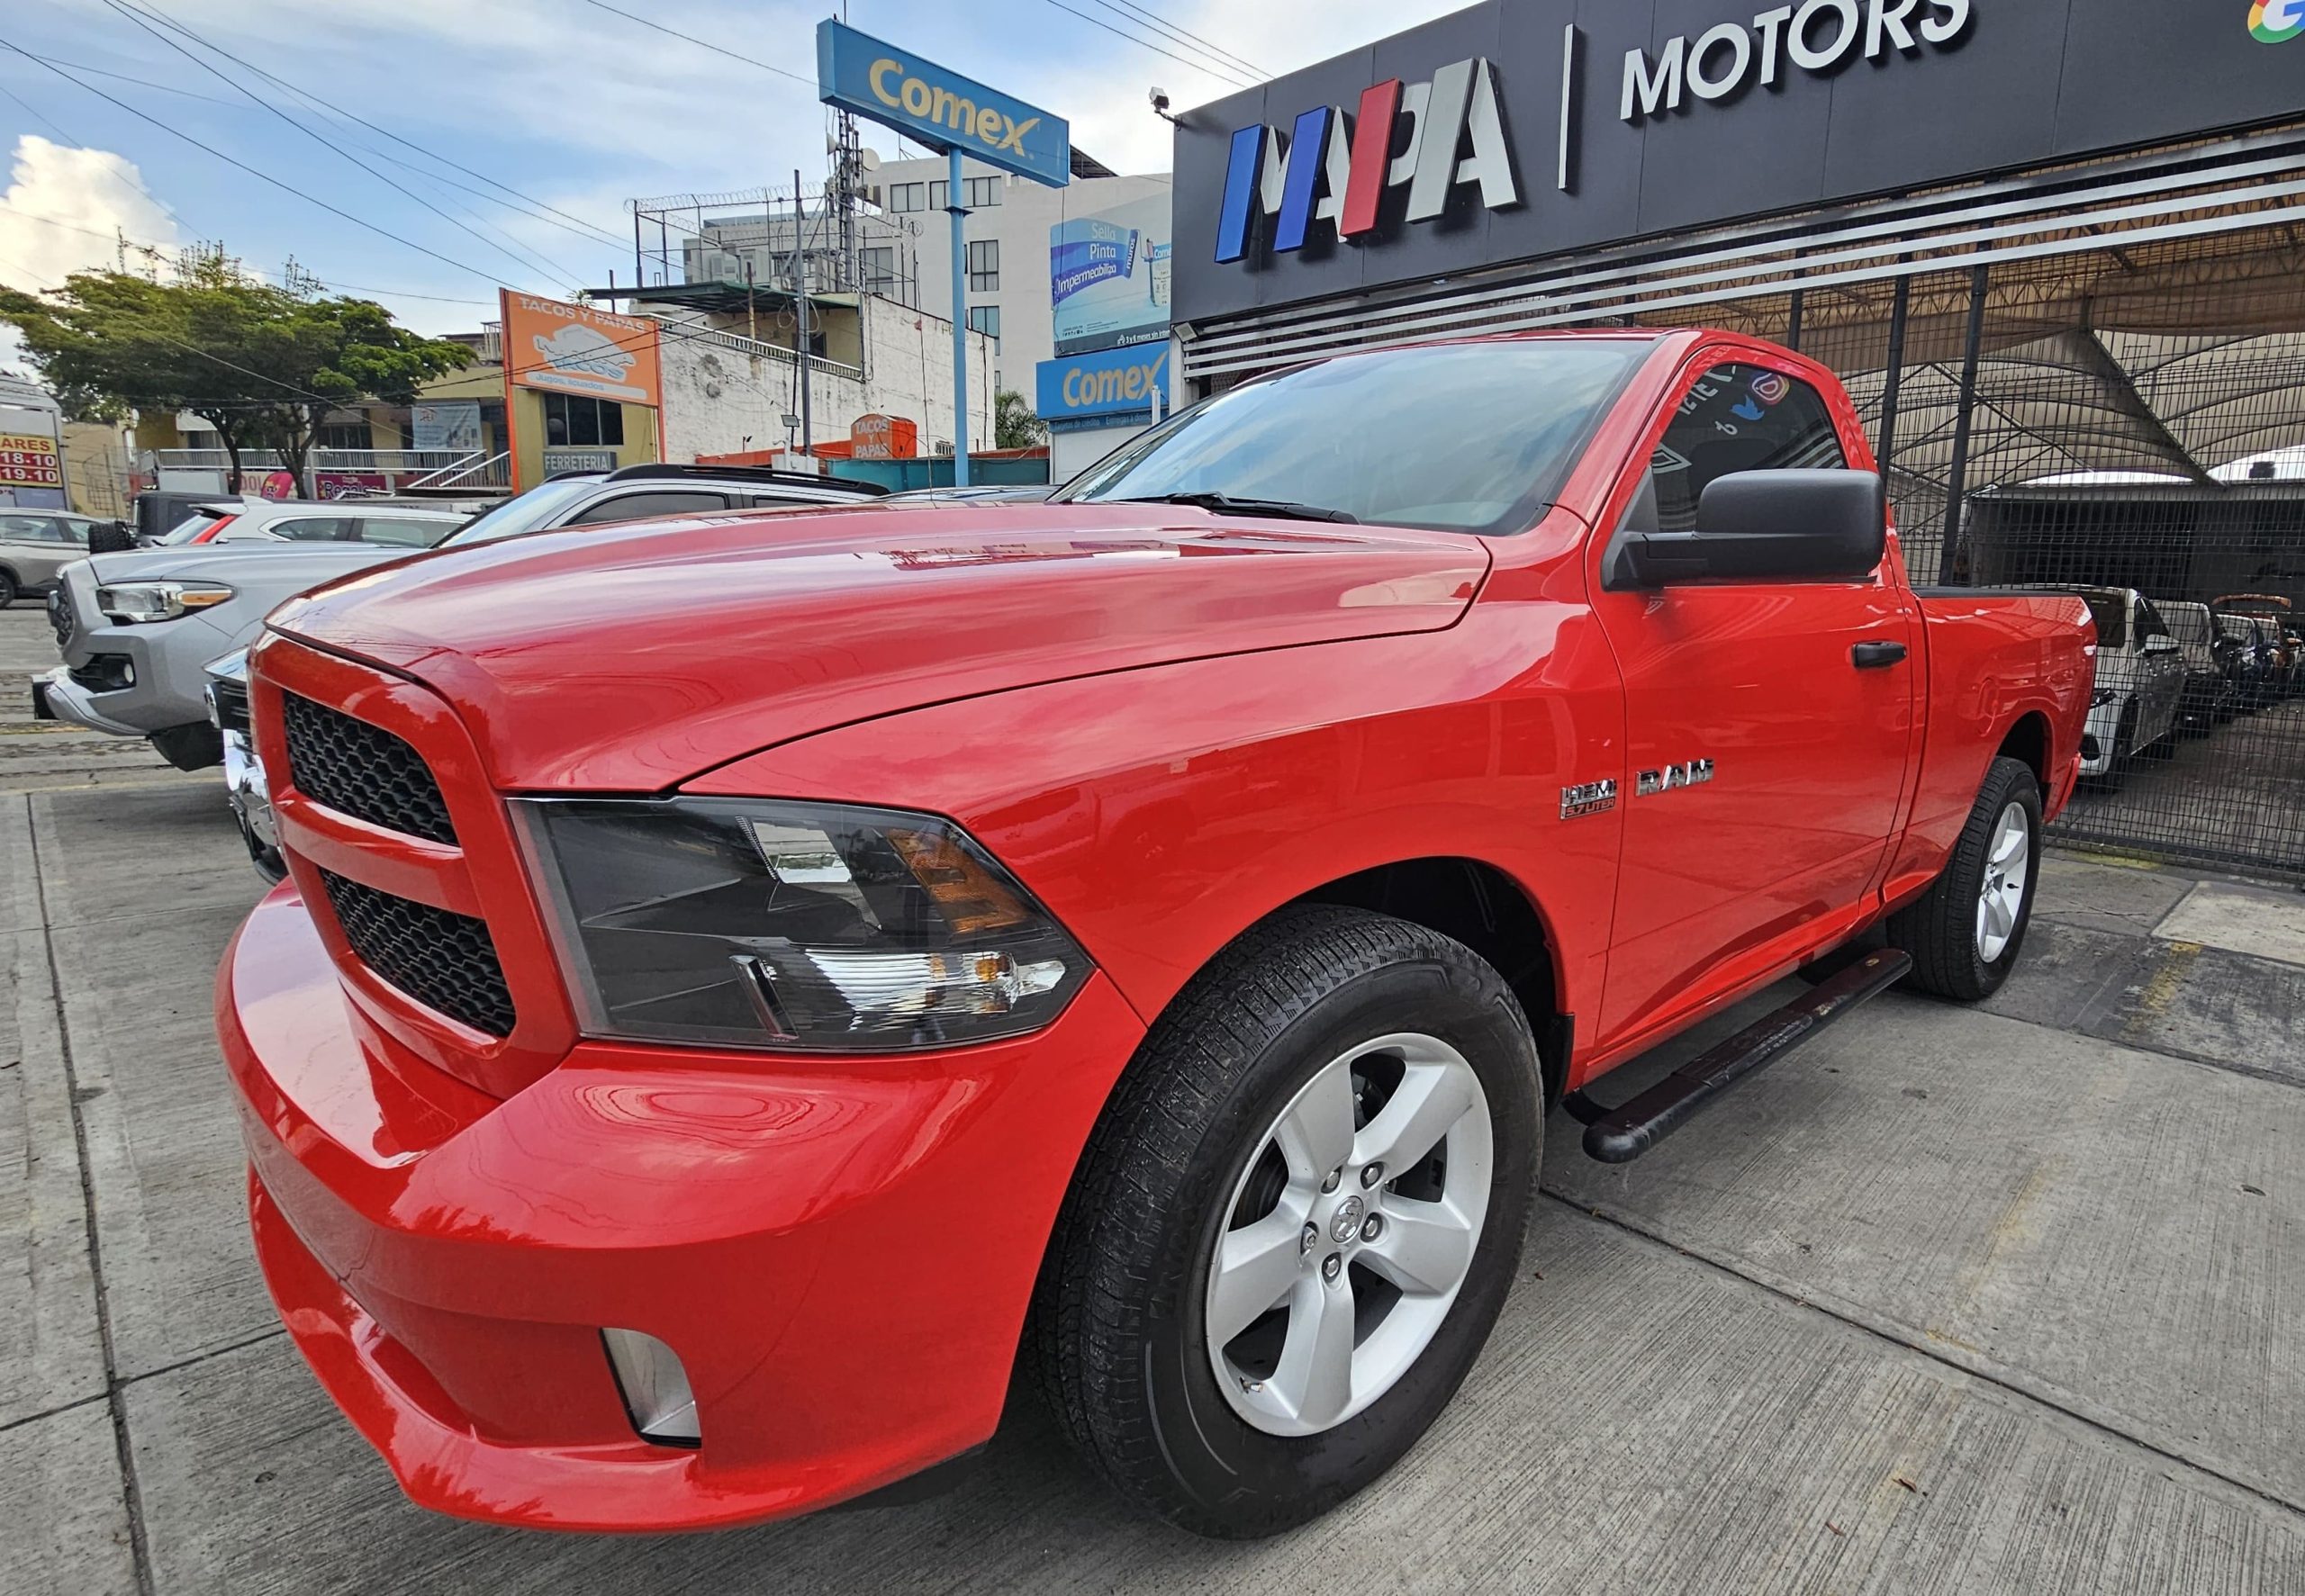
x,y
1764,526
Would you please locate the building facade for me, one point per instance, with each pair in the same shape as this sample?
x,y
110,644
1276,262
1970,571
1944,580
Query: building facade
x,y
2051,250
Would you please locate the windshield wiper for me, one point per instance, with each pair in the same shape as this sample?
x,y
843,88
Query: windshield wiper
x,y
1225,504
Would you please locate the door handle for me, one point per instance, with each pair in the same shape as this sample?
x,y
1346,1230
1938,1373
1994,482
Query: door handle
x,y
1877,656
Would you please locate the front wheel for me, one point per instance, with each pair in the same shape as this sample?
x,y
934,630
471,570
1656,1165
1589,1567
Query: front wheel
x,y
8,589
1965,932
1295,1223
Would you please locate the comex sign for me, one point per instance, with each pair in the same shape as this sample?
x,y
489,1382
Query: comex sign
x,y
1132,380
1337,170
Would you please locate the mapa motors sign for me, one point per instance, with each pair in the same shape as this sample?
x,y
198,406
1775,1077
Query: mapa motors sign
x,y
1523,130
1428,139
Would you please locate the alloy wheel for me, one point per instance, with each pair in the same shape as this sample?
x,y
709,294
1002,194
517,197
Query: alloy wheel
x,y
1349,1234
2007,866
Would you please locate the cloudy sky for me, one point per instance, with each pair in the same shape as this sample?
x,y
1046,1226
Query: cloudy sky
x,y
573,106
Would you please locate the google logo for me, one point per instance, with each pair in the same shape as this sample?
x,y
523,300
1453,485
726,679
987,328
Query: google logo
x,y
2276,21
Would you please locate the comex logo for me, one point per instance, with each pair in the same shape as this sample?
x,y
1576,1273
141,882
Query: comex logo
x,y
1335,169
2276,21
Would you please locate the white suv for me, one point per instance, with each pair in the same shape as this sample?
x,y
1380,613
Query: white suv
x,y
380,525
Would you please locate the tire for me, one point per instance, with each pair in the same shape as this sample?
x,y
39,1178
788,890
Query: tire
x,y
1188,1152
8,589
1945,928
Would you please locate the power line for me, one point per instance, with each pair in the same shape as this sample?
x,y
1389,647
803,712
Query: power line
x,y
1184,36
165,88
1234,79
542,212
529,264
702,43
255,172
150,249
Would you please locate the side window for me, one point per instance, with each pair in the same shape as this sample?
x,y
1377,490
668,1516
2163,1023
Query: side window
x,y
28,530
782,502
643,507
405,532
305,530
1739,418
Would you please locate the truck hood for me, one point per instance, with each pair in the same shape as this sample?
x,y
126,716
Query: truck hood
x,y
631,659
286,567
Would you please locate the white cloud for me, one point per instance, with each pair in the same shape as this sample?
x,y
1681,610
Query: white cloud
x,y
60,215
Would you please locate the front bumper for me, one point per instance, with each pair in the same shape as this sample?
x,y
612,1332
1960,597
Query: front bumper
x,y
2098,736
840,1251
57,697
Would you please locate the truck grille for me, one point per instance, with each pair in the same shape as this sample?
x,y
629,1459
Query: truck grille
x,y
232,706
446,961
363,770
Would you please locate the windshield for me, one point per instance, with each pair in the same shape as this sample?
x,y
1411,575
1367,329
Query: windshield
x,y
2111,614
527,513
1455,437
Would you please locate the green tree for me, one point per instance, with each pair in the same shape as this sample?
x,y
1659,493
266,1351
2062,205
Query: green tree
x,y
1014,425
262,366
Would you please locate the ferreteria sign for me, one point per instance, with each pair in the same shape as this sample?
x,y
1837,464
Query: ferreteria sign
x,y
1528,128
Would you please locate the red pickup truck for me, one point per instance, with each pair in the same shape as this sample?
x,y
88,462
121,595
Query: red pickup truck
x,y
745,983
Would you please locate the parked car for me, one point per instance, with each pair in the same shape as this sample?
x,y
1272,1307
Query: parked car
x,y
226,692
2208,655
2269,615
2140,685
2255,665
135,629
34,545
401,525
1153,922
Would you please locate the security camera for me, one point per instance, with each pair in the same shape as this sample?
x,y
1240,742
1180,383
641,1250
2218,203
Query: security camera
x,y
1160,98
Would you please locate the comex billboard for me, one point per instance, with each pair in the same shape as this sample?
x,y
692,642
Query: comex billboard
x,y
939,108
1108,276
1098,389
1518,130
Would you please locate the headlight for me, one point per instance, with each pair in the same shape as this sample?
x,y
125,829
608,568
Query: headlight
x,y
755,923
137,602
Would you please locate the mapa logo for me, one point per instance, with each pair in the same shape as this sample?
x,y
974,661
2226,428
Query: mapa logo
x,y
1335,169
2276,21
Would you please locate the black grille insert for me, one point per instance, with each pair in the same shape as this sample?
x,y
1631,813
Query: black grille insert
x,y
444,961
232,706
362,771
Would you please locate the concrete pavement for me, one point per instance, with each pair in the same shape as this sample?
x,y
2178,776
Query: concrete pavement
x,y
1952,1300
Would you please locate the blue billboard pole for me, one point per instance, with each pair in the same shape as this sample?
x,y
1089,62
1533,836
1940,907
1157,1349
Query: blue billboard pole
x,y
953,192
944,111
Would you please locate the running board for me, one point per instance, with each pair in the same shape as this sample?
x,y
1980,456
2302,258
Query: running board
x,y
1618,1135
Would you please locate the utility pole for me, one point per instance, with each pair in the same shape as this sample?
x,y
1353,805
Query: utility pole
x,y
801,288
752,312
953,202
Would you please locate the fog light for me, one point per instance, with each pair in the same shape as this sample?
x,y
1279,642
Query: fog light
x,y
655,1387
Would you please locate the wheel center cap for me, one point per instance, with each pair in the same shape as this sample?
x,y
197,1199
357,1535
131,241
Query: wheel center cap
x,y
1345,1222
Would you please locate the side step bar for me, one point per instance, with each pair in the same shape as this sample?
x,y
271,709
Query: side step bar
x,y
1618,1135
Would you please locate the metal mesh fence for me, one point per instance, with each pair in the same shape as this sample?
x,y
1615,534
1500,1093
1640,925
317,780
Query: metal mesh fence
x,y
2127,421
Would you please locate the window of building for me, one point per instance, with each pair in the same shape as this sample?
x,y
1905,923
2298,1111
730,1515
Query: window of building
x,y
986,320
983,193
578,419
905,196
1739,418
879,265
342,435
936,191
984,266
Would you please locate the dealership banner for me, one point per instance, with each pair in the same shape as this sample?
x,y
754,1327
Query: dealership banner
x,y
1108,276
1522,129
571,348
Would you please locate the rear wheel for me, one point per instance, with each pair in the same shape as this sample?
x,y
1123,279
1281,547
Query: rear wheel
x,y
1295,1222
1965,932
8,589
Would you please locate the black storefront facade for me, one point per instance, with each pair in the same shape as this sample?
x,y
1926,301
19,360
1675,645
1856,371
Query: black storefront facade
x,y
2053,248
